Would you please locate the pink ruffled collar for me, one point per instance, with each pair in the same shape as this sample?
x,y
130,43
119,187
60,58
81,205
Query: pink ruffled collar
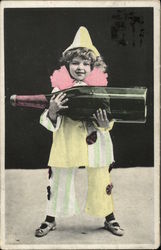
x,y
62,80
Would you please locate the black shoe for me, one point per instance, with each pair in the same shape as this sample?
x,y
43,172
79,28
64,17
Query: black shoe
x,y
42,231
114,227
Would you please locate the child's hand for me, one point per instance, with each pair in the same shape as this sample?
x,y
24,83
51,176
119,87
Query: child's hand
x,y
56,104
101,118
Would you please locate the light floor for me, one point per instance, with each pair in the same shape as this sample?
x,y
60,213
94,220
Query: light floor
x,y
133,195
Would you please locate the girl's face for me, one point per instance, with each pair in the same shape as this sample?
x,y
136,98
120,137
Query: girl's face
x,y
79,68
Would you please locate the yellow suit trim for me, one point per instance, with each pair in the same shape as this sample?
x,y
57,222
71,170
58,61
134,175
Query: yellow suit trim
x,y
111,124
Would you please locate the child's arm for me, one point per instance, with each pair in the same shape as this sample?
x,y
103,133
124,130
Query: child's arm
x,y
47,123
56,104
102,123
50,119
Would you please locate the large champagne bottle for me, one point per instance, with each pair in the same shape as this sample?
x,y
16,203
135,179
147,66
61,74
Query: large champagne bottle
x,y
121,104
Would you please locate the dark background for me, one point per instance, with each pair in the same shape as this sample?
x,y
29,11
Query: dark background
x,y
34,41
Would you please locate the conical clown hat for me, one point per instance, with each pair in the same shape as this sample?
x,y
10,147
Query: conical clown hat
x,y
82,39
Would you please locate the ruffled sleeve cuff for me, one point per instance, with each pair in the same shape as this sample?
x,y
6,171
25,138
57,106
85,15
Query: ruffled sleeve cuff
x,y
48,124
111,124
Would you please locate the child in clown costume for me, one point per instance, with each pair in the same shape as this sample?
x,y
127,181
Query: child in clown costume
x,y
78,143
